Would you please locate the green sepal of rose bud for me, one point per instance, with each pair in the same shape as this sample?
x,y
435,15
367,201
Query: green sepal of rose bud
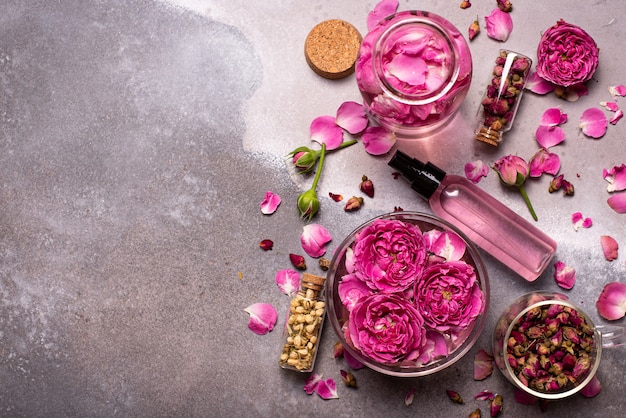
x,y
496,406
308,204
353,204
348,379
297,261
304,159
454,396
367,186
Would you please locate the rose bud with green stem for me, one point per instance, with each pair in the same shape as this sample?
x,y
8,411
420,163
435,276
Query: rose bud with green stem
x,y
304,158
513,171
308,202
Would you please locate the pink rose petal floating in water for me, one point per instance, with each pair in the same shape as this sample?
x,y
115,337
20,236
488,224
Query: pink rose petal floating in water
x,y
448,245
565,276
288,281
263,317
617,202
616,177
579,221
324,130
593,123
383,9
476,170
499,25
611,304
270,203
351,117
483,364
314,239
609,247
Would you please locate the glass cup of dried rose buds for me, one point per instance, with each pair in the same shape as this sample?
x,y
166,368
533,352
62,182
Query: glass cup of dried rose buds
x,y
548,347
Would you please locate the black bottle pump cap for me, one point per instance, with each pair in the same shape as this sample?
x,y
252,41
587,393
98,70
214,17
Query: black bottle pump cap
x,y
425,178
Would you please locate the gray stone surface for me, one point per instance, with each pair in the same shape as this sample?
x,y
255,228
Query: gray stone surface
x,y
136,142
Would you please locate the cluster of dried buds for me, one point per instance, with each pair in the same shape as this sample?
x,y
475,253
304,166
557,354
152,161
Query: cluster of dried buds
x,y
502,95
550,349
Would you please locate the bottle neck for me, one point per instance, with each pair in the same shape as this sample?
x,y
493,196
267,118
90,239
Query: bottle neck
x,y
425,178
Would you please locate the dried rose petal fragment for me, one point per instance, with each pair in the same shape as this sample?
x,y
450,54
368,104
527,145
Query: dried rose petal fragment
x,y
314,239
593,123
288,281
564,275
499,25
617,202
579,221
483,365
335,197
266,244
611,304
270,203
609,247
263,317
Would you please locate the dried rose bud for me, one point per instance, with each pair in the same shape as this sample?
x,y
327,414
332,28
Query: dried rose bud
x,y
324,263
473,30
297,261
335,197
496,406
338,350
348,379
266,244
367,186
454,396
475,414
465,4
568,188
505,5
353,204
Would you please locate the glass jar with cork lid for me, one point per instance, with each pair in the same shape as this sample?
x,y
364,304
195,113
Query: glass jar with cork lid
x,y
303,325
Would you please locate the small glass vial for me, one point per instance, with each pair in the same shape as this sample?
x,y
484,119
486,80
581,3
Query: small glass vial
x,y
303,326
413,70
502,96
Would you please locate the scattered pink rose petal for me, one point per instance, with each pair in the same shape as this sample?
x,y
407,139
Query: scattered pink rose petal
x,y
617,90
351,117
616,117
449,246
483,365
544,161
539,85
383,9
270,203
327,389
591,389
521,396
314,239
609,247
553,117
612,301
311,383
476,170
485,395
288,281
499,25
593,123
549,136
263,317
410,395
612,106
579,221
378,140
617,202
564,275
324,130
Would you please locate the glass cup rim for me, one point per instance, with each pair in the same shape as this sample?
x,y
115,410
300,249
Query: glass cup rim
x,y
552,301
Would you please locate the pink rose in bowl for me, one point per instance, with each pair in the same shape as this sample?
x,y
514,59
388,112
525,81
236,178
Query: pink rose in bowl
x,y
448,297
387,328
567,55
389,255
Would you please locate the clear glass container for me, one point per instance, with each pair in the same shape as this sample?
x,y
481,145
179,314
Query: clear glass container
x,y
413,70
502,97
553,320
301,334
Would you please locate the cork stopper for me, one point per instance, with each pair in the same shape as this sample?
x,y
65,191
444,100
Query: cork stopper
x,y
331,48
312,281
489,135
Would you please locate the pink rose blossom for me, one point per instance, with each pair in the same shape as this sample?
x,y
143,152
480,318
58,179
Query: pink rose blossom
x,y
612,301
566,55
512,169
448,296
387,328
389,255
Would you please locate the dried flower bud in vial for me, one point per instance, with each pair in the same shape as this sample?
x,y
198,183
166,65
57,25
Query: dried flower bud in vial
x,y
502,96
